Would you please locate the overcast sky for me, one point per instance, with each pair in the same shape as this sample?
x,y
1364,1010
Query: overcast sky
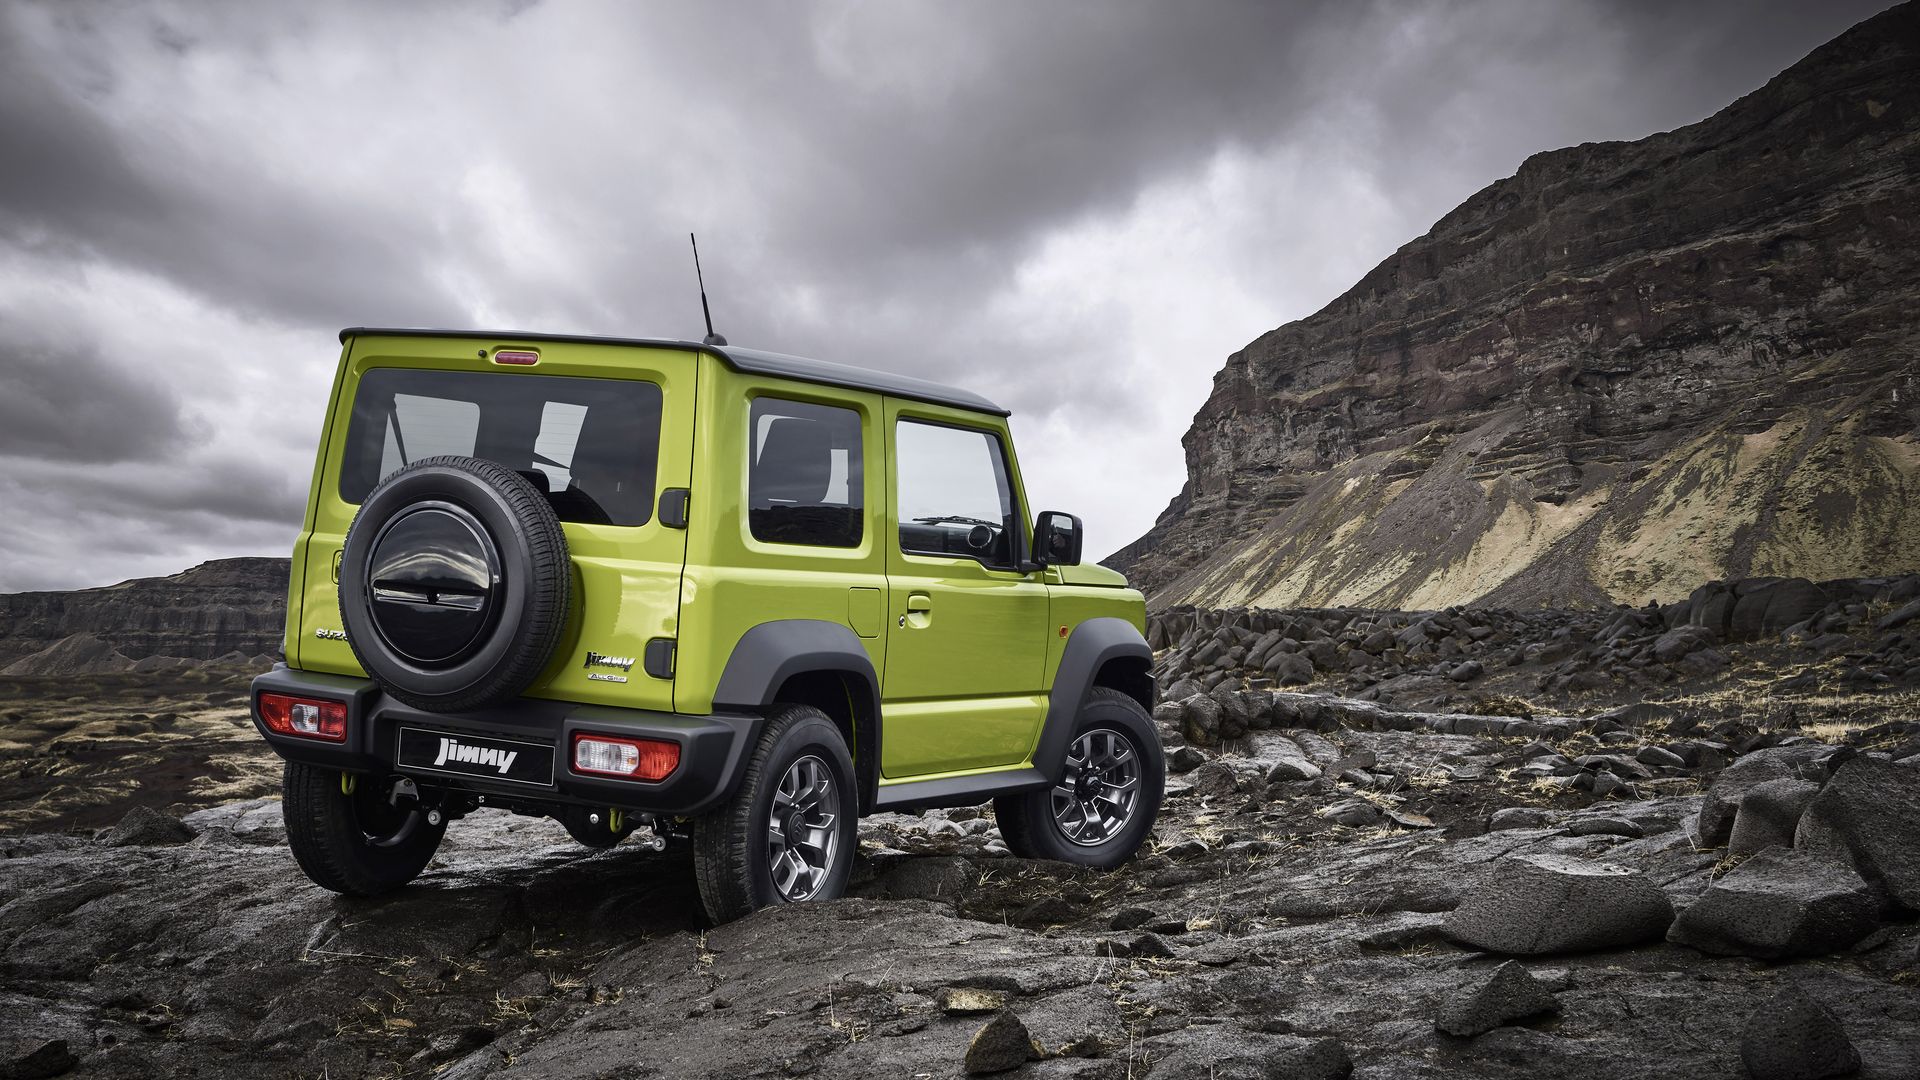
x,y
1077,209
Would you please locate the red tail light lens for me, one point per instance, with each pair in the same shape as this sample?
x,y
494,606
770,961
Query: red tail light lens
x,y
306,718
630,759
516,357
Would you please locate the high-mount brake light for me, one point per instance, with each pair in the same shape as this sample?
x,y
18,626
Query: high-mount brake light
x,y
632,759
517,357
307,718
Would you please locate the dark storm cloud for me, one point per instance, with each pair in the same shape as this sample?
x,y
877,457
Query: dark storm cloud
x,y
63,162
66,402
149,195
228,491
103,538
68,526
1076,207
887,185
1074,107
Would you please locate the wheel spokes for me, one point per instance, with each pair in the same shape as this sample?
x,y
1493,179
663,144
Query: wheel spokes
x,y
1096,799
803,830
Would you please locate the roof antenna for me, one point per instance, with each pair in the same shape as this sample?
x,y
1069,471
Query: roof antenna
x,y
711,338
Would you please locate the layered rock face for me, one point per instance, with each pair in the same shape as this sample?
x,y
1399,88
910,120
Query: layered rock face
x,y
214,610
1626,370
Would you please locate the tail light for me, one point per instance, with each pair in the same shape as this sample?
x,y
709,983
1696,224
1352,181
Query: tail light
x,y
307,718
632,759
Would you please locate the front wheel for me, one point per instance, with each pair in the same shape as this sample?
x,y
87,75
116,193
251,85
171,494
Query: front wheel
x,y
352,834
1102,807
789,833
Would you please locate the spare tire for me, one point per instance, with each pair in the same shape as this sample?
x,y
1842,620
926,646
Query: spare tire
x,y
455,584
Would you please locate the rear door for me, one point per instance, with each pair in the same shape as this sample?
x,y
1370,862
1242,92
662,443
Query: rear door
x,y
602,429
966,648
790,509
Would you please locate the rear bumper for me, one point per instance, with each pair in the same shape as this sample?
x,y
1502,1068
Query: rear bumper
x,y
713,749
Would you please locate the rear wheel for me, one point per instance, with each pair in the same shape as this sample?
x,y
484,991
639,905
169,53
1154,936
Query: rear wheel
x,y
356,834
788,835
1102,807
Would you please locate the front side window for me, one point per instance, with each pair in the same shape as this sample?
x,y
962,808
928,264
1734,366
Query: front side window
x,y
954,494
805,483
590,445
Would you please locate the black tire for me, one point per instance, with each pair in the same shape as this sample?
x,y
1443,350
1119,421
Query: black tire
x,y
1028,823
479,550
354,842
732,855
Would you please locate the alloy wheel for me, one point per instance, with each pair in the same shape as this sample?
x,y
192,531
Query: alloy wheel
x,y
803,834
1097,797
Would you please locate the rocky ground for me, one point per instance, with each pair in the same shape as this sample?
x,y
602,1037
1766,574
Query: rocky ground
x,y
1336,887
78,752
1834,656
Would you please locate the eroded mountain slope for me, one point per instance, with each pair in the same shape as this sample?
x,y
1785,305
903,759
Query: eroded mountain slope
x,y
1627,369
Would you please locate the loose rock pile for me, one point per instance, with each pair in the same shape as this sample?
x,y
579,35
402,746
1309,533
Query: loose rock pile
x,y
1424,657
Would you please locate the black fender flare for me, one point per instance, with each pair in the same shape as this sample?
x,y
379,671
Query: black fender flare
x,y
768,655
1090,647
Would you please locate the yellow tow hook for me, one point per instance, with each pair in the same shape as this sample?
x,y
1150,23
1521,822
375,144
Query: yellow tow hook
x,y
613,821
348,782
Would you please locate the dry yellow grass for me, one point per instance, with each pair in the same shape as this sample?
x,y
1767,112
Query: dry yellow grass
x,y
1832,731
1829,717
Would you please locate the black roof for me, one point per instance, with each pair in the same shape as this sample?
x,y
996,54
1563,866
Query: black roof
x,y
749,361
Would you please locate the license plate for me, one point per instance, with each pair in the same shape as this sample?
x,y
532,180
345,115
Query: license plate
x,y
468,755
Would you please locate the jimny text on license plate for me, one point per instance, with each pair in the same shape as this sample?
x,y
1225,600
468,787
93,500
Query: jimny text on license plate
x,y
476,756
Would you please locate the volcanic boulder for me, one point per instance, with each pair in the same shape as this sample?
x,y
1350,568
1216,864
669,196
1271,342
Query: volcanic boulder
x,y
1778,904
1510,993
144,826
1793,1037
1773,763
1003,1044
1768,815
1869,813
1535,904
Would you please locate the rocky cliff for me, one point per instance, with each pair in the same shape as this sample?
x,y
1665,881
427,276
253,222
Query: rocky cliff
x,y
212,611
1628,369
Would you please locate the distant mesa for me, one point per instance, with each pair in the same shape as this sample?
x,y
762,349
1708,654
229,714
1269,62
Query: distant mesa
x,y
1626,370
225,612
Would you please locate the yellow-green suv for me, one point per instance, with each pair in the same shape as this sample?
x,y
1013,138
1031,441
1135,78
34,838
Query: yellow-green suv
x,y
708,592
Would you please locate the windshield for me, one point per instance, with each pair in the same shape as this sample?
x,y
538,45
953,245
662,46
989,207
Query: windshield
x,y
590,445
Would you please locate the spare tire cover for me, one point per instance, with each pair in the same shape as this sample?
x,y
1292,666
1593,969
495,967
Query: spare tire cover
x,y
455,584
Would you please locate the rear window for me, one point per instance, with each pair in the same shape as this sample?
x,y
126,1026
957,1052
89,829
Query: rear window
x,y
592,445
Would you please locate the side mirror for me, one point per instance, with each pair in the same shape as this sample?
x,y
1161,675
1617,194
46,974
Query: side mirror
x,y
1056,539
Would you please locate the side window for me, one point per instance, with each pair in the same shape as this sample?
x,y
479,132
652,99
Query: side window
x,y
804,478
954,496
